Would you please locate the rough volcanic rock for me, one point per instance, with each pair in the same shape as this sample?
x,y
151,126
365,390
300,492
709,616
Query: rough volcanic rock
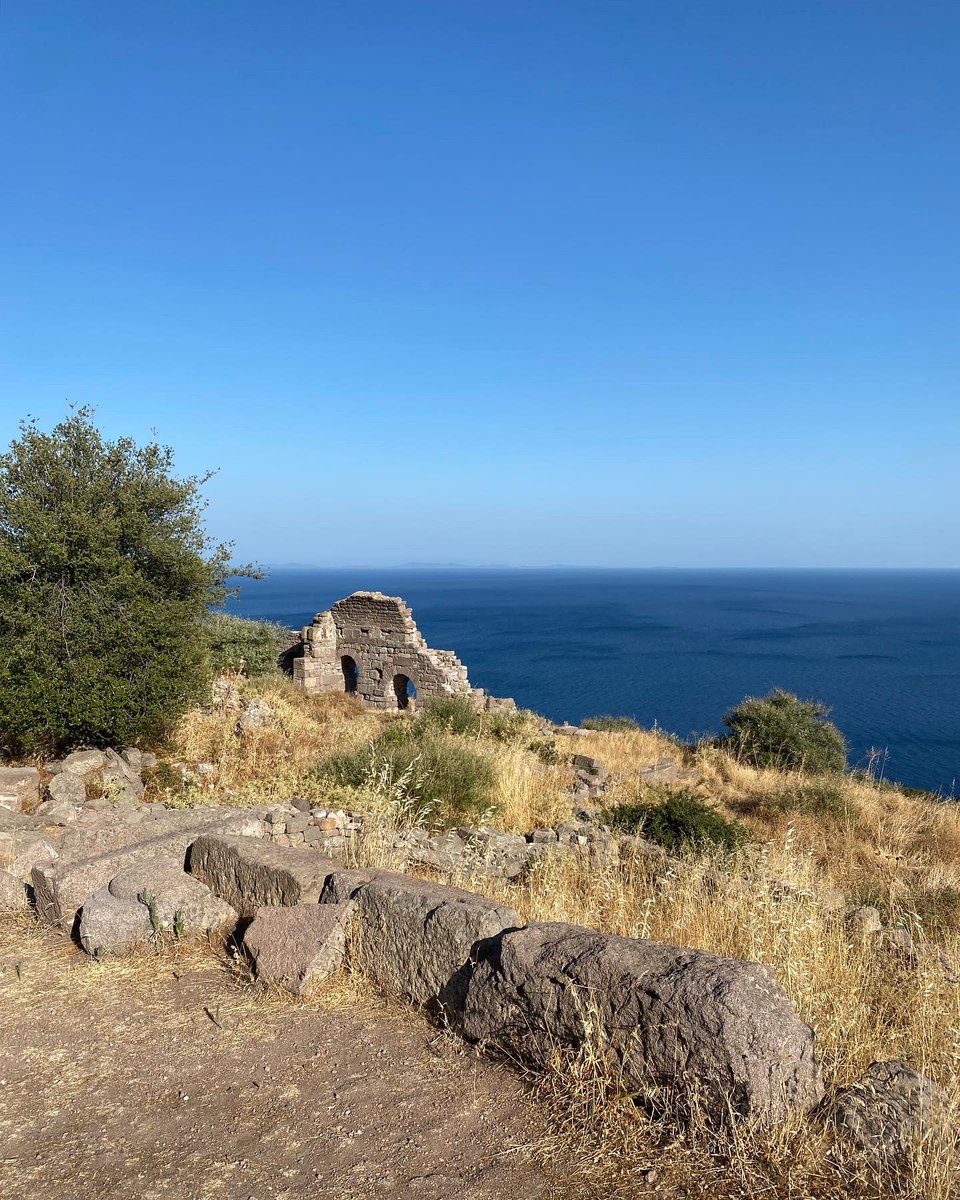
x,y
298,946
672,1020
111,925
61,890
13,894
178,899
84,762
889,1111
249,873
66,788
417,939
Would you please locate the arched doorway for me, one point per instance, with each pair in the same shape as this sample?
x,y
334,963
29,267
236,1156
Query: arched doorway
x,y
405,690
351,674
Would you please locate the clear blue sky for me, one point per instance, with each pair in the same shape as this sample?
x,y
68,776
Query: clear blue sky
x,y
495,281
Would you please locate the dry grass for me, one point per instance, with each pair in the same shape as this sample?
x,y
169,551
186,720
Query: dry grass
x,y
528,794
269,763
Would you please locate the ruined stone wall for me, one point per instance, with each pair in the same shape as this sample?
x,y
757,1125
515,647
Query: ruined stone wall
x,y
369,644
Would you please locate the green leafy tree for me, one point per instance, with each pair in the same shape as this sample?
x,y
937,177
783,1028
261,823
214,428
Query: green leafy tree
x,y
106,577
780,730
237,643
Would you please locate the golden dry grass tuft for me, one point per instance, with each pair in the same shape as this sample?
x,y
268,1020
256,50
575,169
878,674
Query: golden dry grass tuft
x,y
269,763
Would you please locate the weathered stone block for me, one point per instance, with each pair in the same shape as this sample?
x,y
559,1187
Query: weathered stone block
x,y
415,938
61,890
298,946
23,849
889,1111
673,1021
18,786
13,894
67,788
249,873
177,898
109,924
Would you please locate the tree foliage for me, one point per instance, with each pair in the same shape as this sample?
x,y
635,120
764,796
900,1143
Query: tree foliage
x,y
782,731
243,645
106,576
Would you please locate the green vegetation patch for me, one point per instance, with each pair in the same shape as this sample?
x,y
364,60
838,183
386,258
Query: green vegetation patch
x,y
435,777
241,645
609,724
677,820
783,732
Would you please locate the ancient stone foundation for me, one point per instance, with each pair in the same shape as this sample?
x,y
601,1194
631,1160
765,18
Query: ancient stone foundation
x,y
370,646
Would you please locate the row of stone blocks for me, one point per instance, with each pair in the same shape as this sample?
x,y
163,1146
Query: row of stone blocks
x,y
671,1021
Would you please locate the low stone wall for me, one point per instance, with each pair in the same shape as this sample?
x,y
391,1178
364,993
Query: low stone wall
x,y
677,1026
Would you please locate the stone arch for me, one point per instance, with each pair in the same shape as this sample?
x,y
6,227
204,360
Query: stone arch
x,y
405,691
351,673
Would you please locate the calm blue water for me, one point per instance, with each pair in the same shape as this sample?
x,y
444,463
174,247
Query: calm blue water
x,y
882,648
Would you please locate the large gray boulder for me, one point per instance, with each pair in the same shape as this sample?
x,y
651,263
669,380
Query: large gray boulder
x,y
676,1023
889,1112
417,939
111,925
296,947
249,873
147,898
178,900
18,786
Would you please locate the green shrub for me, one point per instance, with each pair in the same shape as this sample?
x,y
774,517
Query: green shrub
x,y
679,819
453,713
819,798
238,644
547,752
608,724
780,730
443,778
106,579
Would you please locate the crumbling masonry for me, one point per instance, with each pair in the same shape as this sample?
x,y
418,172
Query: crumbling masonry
x,y
369,644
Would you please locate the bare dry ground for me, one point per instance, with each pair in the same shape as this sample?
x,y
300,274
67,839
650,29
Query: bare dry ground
x,y
168,1077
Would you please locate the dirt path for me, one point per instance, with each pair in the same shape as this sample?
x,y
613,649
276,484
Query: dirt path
x,y
167,1078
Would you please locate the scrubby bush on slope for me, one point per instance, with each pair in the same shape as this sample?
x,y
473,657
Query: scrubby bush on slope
x,y
677,819
442,778
782,731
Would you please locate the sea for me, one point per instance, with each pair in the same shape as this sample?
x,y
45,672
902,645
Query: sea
x,y
680,647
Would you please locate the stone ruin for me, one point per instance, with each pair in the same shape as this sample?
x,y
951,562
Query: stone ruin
x,y
369,645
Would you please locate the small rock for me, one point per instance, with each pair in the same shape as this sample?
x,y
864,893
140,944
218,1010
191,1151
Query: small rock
x,y
66,788
18,786
133,757
85,762
148,761
57,812
256,715
863,921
